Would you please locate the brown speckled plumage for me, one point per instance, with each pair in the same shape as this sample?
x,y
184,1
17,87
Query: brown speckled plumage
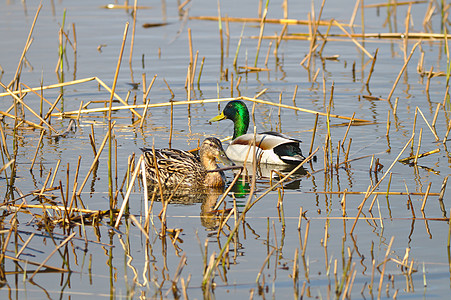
x,y
178,166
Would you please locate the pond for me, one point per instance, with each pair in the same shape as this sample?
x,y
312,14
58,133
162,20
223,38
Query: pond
x,y
348,79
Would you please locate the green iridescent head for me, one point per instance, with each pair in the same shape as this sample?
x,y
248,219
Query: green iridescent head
x,y
236,111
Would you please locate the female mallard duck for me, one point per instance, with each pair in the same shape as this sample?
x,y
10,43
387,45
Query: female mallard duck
x,y
272,147
184,168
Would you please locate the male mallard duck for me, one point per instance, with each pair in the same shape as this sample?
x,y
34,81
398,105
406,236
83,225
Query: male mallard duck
x,y
184,168
272,147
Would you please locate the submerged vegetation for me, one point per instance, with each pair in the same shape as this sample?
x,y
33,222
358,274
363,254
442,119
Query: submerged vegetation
x,y
78,216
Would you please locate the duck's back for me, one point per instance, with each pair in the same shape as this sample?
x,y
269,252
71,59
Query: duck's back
x,y
174,167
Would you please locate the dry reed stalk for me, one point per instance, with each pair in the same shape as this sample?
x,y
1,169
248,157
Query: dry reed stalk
x,y
402,70
267,53
406,160
388,123
314,33
299,109
24,246
262,27
377,184
51,254
373,62
406,33
383,268
237,86
370,209
190,46
19,100
26,261
304,244
434,119
418,147
354,40
343,202
295,274
53,86
27,44
187,83
263,266
200,70
163,104
20,120
5,166
129,190
400,3
96,158
194,68
320,52
172,93
300,219
259,19
172,124
41,97
428,82
48,114
37,149
144,86
149,87
132,42
110,127
354,13
141,122
445,138
423,205
347,129
138,224
348,281
281,180
231,84
282,33
118,66
409,201
116,95
429,126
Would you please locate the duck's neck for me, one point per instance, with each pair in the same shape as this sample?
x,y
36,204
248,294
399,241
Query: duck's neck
x,y
212,178
241,123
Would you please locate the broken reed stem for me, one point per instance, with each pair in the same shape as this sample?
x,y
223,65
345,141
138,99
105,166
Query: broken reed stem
x,y
377,184
402,70
129,190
